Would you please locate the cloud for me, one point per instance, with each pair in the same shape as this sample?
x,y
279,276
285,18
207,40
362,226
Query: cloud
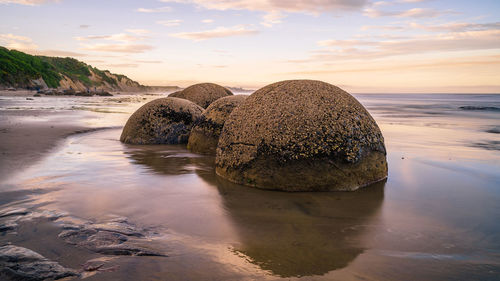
x,y
313,6
28,2
456,26
218,32
120,37
274,9
412,1
58,53
345,43
169,22
411,13
17,42
448,42
148,61
83,26
431,64
272,18
118,48
207,21
444,27
154,10
123,65
138,31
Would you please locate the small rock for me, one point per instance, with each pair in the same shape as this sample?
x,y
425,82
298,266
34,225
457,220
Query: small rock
x,y
127,250
18,263
14,212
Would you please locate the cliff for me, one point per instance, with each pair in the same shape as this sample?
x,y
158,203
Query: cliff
x,y
21,70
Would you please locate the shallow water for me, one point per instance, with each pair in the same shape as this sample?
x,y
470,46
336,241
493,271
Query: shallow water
x,y
436,217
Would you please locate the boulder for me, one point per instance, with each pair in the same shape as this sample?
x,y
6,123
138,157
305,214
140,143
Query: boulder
x,y
202,94
301,135
161,121
206,130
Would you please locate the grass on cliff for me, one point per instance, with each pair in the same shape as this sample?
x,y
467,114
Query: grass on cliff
x,y
18,69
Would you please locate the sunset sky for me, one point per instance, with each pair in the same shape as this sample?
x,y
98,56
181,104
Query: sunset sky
x,y
362,46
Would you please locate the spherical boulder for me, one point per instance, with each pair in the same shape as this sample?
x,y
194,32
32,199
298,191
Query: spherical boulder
x,y
206,130
301,135
161,121
202,94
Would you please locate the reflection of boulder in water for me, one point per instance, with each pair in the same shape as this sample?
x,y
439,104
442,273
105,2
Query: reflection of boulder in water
x,y
299,234
167,159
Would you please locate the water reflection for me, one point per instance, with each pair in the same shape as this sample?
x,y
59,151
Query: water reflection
x,y
165,159
300,234
286,234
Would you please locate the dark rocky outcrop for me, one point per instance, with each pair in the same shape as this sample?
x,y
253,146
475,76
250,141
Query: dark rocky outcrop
x,y
301,135
18,263
206,130
161,121
202,94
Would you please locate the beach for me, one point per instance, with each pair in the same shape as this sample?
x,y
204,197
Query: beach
x,y
436,216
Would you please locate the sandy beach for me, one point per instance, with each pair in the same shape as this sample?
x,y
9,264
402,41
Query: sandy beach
x,y
25,139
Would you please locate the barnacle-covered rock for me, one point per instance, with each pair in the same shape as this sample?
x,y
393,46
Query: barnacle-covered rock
x,y
206,130
301,135
202,94
161,121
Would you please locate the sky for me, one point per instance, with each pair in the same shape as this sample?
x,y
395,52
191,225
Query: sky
x,y
362,46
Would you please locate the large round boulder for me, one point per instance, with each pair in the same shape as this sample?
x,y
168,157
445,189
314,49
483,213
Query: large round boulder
x,y
161,121
202,94
206,130
301,135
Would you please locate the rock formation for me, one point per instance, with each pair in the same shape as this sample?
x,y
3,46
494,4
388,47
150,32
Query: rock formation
x,y
206,130
301,135
18,263
161,121
202,94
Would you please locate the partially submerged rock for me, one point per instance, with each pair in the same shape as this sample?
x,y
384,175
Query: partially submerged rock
x,y
206,130
161,121
108,238
301,135
202,94
18,263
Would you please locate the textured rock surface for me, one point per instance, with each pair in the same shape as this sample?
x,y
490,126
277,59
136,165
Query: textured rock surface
x,y
206,130
301,135
117,237
162,121
18,263
202,94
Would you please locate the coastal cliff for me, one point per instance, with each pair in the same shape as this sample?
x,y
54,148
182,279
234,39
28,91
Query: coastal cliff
x,y
21,70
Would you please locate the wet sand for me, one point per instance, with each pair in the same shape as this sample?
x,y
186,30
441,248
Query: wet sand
x,y
435,218
28,135
30,127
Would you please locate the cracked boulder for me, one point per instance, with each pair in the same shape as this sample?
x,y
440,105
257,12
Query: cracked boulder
x,y
301,135
18,263
161,121
206,130
202,94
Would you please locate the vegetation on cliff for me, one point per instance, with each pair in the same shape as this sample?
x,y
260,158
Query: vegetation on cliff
x,y
18,69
